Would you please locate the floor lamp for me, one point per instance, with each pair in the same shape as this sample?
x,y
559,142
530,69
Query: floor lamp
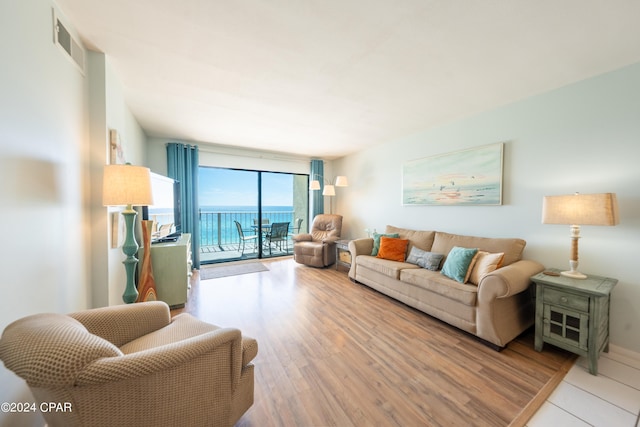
x,y
330,189
127,185
576,210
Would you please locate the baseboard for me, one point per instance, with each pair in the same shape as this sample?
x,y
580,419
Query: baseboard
x,y
623,355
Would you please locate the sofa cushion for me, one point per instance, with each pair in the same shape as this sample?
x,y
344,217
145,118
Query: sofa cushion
x,y
384,266
418,238
429,260
485,264
458,263
442,285
394,249
512,248
376,241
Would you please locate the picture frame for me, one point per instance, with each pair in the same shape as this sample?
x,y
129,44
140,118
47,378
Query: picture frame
x,y
469,177
116,152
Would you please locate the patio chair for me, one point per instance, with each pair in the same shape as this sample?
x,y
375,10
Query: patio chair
x,y
277,235
296,228
244,239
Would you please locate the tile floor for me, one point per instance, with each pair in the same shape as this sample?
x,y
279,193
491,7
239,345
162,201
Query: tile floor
x,y
610,399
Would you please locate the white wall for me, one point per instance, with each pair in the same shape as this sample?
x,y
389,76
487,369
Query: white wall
x,y
584,137
107,110
43,156
228,157
53,133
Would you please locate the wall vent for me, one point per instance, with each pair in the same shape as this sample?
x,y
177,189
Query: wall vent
x,y
71,47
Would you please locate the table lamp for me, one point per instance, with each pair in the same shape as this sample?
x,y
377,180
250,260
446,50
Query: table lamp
x,y
576,210
127,185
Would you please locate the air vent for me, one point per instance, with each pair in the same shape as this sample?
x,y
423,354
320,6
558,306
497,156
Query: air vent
x,y
63,38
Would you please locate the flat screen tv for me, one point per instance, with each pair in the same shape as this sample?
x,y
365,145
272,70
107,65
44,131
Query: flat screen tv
x,y
165,211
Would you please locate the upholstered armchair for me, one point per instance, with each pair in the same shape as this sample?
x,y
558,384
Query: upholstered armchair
x,y
317,248
132,365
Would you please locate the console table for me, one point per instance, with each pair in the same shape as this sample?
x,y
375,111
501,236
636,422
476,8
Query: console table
x,y
171,263
573,314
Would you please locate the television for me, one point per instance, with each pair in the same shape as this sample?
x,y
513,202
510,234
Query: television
x,y
166,209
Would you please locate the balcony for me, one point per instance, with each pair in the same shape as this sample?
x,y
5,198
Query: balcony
x,y
220,241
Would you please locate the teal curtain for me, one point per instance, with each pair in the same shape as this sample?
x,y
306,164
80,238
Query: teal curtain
x,y
182,165
317,199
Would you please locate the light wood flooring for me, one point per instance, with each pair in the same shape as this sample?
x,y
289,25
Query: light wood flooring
x,y
336,353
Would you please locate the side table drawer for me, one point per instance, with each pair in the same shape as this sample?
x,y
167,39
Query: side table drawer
x,y
566,299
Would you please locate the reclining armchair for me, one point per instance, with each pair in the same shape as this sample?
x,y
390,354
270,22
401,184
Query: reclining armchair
x,y
317,248
132,365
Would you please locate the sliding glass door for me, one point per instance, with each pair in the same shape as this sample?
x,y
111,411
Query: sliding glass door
x,y
250,214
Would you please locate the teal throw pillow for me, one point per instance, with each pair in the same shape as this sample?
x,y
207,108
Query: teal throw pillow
x,y
376,241
457,263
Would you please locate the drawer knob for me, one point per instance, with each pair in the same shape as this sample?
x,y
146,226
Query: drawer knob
x,y
563,299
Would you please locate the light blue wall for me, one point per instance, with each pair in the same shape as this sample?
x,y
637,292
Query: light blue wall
x,y
584,137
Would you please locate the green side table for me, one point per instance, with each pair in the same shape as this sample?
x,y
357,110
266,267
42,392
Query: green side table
x,y
573,314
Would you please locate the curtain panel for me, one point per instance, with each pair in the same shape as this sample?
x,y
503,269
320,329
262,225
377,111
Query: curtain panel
x,y
317,199
182,165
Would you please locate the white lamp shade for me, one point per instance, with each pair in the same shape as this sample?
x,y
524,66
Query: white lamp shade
x,y
126,185
581,209
314,185
341,181
329,190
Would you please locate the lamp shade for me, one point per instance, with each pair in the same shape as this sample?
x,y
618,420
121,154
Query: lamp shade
x,y
341,181
314,185
329,190
126,185
581,209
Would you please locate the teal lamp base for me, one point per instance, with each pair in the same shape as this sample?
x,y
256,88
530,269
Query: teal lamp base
x,y
130,249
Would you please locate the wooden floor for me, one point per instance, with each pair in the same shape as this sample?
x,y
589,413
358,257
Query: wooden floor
x,y
336,353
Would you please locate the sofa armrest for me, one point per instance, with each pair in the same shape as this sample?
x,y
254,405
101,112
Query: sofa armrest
x,y
504,307
120,324
222,346
509,280
302,237
359,247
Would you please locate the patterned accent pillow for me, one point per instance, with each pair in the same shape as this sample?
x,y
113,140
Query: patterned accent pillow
x,y
429,260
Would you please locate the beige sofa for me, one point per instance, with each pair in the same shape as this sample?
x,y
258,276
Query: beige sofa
x,y
497,310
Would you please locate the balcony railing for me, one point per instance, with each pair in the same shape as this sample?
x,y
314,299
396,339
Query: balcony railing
x,y
218,229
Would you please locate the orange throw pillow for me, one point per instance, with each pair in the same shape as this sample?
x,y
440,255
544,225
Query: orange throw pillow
x,y
392,248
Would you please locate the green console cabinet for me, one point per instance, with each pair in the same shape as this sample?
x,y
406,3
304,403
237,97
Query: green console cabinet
x,y
573,314
171,264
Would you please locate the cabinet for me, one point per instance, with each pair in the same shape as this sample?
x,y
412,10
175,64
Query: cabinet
x,y
171,263
573,314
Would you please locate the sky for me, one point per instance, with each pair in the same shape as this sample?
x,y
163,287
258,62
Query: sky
x,y
228,187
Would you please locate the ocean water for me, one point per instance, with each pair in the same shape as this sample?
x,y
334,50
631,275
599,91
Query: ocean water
x,y
217,226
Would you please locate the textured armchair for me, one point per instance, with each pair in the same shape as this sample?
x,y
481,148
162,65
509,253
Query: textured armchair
x,y
132,365
317,248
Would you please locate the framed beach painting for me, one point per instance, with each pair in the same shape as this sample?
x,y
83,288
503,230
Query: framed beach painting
x,y
466,177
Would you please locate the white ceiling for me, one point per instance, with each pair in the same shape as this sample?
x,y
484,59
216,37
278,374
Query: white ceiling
x,y
328,77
